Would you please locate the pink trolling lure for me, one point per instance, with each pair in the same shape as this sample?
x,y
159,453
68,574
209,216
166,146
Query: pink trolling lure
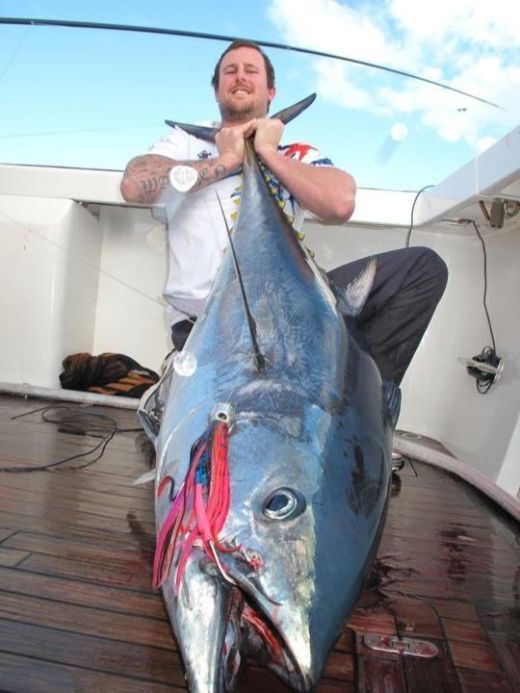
x,y
199,508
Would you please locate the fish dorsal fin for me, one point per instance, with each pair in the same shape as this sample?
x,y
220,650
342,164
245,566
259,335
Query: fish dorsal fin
x,y
357,291
208,134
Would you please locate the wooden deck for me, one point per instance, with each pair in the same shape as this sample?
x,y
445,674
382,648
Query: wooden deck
x,y
77,613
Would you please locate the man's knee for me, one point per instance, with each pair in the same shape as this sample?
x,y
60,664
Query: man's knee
x,y
435,269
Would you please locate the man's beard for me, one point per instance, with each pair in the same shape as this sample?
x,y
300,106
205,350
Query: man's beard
x,y
243,113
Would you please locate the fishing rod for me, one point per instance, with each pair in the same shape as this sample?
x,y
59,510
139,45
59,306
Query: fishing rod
x,y
24,21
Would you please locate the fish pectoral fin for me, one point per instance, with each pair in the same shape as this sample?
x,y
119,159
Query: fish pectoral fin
x,y
145,478
203,133
291,112
358,290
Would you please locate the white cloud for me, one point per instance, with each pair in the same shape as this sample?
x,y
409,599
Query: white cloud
x,y
334,27
472,45
398,132
483,22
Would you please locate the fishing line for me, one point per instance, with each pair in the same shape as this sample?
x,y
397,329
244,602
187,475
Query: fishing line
x,y
82,260
75,416
15,53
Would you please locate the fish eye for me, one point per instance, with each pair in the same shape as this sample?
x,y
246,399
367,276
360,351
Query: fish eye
x,y
284,504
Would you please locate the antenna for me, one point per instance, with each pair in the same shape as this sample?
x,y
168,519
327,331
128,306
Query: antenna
x,y
259,357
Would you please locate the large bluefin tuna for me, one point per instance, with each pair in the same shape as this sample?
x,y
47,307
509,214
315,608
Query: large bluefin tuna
x,y
273,460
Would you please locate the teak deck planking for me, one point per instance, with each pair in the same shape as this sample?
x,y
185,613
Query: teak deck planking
x,y
78,615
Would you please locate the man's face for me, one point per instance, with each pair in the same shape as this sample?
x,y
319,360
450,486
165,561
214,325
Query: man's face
x,y
242,92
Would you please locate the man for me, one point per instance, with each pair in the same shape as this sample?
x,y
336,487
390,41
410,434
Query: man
x,y
244,88
409,282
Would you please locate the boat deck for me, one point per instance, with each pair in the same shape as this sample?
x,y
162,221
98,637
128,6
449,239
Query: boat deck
x,y
77,613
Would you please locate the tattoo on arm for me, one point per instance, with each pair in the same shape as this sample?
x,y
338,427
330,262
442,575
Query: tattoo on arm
x,y
204,173
208,172
153,185
149,175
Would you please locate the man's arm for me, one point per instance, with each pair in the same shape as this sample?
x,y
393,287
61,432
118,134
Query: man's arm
x,y
146,178
326,191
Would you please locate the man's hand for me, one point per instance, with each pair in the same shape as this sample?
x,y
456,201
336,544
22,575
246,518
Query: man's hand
x,y
230,143
146,177
268,133
325,191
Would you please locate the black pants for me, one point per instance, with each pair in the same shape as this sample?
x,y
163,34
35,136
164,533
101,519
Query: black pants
x,y
409,283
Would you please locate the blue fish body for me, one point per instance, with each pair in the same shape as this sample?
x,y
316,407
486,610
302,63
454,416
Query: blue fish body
x,y
309,435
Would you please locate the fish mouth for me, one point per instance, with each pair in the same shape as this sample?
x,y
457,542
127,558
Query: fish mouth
x,y
262,642
266,639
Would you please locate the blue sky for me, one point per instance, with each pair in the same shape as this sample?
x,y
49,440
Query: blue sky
x,y
96,98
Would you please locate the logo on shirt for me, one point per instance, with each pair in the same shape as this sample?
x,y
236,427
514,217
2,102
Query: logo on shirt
x,y
204,154
298,150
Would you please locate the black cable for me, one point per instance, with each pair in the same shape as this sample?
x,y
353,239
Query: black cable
x,y
484,381
488,355
78,414
75,415
413,468
407,241
31,411
485,285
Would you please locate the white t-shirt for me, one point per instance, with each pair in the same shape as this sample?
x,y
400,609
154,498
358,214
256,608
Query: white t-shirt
x,y
197,236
